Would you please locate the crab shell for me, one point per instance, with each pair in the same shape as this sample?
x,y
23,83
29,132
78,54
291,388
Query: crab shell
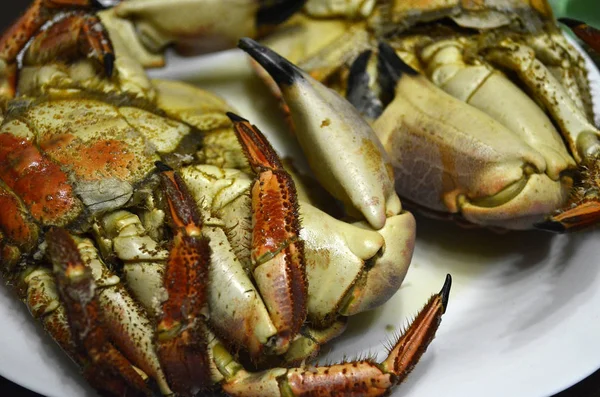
x,y
80,187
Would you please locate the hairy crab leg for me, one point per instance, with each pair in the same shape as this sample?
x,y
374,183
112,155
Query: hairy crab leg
x,y
17,35
587,33
181,324
75,34
277,252
358,378
78,292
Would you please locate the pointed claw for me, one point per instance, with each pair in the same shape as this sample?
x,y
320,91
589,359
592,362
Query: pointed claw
x,y
282,71
445,292
341,147
390,68
359,93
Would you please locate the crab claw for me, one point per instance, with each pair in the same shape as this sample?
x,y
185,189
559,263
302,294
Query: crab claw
x,y
196,26
358,378
519,176
342,149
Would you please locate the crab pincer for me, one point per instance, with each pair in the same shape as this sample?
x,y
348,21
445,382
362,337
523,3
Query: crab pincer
x,y
181,335
277,252
342,149
355,378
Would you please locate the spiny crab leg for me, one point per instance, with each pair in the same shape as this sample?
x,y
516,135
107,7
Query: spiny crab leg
x,y
277,252
16,37
181,341
587,33
75,34
107,368
342,149
358,378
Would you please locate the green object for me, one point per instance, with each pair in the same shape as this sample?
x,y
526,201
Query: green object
x,y
584,10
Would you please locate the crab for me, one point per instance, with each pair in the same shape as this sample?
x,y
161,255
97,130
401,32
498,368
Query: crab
x,y
483,107
160,240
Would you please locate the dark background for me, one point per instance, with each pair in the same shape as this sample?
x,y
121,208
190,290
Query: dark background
x,y
590,387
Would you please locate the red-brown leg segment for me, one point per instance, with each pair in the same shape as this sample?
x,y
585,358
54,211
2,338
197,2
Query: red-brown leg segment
x,y
583,208
72,37
277,252
14,39
182,337
590,35
77,290
358,378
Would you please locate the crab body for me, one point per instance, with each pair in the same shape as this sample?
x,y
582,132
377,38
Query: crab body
x,y
484,108
160,240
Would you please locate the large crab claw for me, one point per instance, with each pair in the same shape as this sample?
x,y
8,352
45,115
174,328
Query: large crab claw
x,y
341,148
192,26
518,178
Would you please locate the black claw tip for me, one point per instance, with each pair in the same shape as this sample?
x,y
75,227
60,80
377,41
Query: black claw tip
x,y
359,93
235,118
276,12
392,63
109,64
359,66
570,22
445,292
162,167
551,226
282,70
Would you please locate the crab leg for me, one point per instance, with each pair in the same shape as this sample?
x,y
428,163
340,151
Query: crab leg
x,y
277,252
16,36
74,34
587,33
358,378
78,292
181,325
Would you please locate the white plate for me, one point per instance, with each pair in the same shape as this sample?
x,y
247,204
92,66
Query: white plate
x,y
523,318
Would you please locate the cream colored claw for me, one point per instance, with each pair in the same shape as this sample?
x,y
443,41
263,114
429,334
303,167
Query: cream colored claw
x,y
340,146
465,162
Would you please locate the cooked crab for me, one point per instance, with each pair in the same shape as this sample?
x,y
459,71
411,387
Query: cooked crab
x,y
159,239
483,107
